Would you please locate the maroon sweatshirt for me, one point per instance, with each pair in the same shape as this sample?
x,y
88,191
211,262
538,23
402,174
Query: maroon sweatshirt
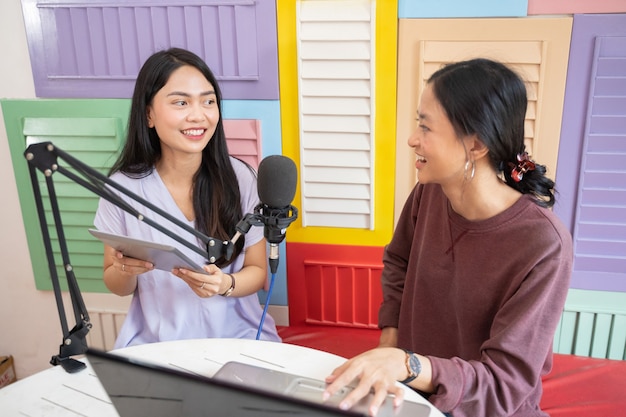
x,y
481,299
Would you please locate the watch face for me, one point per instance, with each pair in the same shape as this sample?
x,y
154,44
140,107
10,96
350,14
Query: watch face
x,y
415,364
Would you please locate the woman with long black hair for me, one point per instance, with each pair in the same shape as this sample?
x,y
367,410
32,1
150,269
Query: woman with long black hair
x,y
176,157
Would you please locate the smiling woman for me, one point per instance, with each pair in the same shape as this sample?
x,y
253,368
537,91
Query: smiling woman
x,y
477,272
176,158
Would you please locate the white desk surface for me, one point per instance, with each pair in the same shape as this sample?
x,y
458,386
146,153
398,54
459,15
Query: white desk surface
x,y
54,392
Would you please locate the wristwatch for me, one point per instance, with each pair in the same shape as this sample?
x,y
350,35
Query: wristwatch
x,y
232,286
413,366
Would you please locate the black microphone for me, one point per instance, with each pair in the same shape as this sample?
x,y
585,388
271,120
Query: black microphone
x,y
276,184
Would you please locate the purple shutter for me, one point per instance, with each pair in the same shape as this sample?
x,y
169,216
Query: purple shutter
x,y
591,174
90,49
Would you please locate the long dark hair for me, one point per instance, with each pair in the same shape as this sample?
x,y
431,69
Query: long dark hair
x,y
216,194
486,98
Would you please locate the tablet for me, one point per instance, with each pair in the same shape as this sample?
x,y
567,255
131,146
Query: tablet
x,y
162,256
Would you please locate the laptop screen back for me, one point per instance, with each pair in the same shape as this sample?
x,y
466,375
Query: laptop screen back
x,y
140,389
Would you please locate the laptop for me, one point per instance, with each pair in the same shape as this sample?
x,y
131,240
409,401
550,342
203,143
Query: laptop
x,y
139,389
310,389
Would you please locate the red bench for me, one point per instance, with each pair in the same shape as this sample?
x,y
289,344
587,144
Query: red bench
x,y
579,386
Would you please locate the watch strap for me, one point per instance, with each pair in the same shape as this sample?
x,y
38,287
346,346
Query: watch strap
x,y
232,286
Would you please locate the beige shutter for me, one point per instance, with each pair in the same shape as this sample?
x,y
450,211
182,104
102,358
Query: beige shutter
x,y
537,49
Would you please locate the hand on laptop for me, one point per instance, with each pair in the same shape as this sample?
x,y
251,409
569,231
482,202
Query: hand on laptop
x,y
376,371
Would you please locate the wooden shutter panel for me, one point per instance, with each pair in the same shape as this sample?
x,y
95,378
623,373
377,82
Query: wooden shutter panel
x,y
535,48
600,225
89,49
244,140
335,58
94,142
90,132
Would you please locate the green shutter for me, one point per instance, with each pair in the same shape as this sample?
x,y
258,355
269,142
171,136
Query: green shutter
x,y
593,324
91,131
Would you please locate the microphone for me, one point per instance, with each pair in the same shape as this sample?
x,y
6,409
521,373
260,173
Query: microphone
x,y
276,183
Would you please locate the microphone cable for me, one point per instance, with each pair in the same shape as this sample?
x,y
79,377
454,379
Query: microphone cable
x,y
267,304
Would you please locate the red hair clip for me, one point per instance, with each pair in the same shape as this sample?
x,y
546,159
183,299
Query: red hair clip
x,y
524,164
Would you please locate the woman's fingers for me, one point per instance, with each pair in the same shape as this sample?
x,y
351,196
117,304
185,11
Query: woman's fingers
x,y
131,266
374,375
204,285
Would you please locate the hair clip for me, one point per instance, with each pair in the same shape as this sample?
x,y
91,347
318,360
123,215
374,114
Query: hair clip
x,y
524,164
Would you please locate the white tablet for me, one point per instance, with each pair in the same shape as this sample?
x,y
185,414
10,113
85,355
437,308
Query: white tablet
x,y
162,256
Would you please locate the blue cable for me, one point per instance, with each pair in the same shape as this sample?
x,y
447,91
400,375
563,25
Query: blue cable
x,y
267,304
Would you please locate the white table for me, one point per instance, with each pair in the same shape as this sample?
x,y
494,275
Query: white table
x,y
54,392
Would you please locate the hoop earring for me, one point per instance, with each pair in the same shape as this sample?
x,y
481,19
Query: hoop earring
x,y
471,176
